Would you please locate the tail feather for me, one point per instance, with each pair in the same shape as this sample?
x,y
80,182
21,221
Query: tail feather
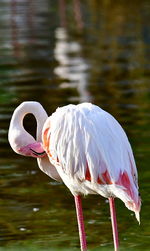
x,y
137,215
132,203
135,207
130,193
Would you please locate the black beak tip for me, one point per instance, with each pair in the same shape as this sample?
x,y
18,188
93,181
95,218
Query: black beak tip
x,y
38,154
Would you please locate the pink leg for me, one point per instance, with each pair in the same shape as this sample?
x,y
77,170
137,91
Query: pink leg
x,y
80,222
114,223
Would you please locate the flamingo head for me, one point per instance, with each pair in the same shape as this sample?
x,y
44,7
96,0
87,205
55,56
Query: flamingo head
x,y
20,140
23,143
33,150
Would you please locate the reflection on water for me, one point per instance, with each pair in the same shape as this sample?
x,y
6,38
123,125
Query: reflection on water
x,y
72,67
59,52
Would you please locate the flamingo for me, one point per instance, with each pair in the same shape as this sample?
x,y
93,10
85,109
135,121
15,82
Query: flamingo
x,y
86,148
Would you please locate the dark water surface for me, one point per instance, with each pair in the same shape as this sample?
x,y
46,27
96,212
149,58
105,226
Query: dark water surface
x,y
61,52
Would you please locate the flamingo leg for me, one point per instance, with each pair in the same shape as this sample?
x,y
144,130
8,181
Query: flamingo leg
x,y
114,223
80,220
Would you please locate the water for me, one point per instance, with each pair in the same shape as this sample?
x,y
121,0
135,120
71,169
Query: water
x,y
61,52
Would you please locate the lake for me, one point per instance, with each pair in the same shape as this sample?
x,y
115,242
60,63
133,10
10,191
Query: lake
x,y
61,52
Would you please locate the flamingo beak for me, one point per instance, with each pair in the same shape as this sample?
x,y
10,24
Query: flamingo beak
x,y
34,150
37,153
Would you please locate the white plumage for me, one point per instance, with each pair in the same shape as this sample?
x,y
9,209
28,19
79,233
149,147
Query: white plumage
x,y
91,153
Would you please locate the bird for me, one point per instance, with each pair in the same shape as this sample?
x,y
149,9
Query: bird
x,y
86,148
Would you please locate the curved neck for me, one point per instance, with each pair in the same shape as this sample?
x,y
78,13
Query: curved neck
x,y
22,110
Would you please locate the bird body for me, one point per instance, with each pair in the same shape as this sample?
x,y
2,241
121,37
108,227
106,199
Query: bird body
x,y
84,146
91,153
